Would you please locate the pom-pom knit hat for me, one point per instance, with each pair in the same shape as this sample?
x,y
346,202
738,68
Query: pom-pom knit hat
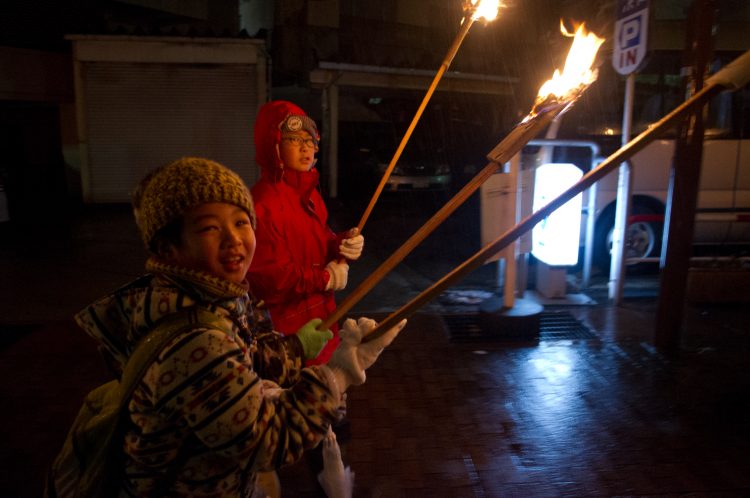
x,y
169,191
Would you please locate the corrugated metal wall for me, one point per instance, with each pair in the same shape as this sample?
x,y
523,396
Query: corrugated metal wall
x,y
140,116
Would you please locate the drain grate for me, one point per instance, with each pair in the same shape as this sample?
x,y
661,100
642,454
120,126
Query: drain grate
x,y
561,325
553,326
464,327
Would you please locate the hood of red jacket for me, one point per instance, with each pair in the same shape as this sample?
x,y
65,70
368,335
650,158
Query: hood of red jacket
x,y
268,136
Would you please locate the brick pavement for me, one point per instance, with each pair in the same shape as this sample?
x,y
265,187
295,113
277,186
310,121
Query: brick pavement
x,y
565,418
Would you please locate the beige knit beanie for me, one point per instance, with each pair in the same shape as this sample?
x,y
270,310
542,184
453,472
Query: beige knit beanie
x,y
169,191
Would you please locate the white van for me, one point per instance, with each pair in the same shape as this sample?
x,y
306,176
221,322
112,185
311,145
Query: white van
x,y
722,224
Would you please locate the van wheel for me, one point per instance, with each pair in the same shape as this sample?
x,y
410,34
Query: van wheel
x,y
642,239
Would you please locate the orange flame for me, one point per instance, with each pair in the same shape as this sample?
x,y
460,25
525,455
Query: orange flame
x,y
476,9
577,73
487,9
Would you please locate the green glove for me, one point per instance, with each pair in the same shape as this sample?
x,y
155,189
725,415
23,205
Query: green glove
x,y
313,339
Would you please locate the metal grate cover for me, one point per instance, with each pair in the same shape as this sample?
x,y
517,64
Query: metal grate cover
x,y
561,325
553,326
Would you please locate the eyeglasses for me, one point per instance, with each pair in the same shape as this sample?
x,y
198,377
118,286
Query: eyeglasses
x,y
298,141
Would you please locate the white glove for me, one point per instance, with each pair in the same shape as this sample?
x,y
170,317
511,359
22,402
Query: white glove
x,y
351,248
339,273
336,480
351,358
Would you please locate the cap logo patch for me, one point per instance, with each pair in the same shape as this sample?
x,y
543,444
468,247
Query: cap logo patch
x,y
294,123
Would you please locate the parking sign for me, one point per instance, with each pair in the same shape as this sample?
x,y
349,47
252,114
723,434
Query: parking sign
x,y
631,35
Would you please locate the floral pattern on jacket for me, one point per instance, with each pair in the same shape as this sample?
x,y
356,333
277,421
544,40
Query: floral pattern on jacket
x,y
213,393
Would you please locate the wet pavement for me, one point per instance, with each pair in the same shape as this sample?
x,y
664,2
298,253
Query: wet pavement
x,y
597,413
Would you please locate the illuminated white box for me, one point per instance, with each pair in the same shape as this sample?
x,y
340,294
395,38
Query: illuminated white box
x,y
555,239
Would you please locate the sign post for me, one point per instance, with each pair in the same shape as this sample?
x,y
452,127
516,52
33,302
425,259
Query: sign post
x,y
631,36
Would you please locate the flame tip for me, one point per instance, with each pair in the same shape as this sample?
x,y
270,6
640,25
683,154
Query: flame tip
x,y
487,9
578,73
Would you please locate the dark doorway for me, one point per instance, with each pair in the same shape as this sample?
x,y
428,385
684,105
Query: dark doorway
x,y
32,169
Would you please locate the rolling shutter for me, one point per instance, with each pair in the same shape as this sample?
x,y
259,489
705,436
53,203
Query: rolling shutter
x,y
142,115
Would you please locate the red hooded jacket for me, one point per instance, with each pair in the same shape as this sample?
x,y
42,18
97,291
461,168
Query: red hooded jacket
x,y
294,242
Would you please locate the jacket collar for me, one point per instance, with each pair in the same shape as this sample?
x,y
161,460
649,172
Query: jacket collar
x,y
206,287
302,182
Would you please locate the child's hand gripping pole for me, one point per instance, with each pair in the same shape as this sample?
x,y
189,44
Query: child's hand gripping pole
x,y
351,247
352,357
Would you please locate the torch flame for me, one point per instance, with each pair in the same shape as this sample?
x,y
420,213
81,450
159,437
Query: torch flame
x,y
486,9
577,73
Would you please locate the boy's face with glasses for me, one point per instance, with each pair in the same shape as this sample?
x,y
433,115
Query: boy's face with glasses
x,y
297,150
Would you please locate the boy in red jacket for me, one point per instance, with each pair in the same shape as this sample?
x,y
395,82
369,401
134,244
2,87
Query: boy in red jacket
x,y
299,261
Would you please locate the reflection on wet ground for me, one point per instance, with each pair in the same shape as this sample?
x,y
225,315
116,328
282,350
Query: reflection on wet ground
x,y
601,417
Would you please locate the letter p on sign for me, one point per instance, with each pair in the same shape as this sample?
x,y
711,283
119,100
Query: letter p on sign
x,y
630,33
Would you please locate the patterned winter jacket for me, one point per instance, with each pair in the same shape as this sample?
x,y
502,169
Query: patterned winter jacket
x,y
221,392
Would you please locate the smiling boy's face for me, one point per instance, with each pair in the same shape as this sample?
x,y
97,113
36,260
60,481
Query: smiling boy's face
x,y
217,238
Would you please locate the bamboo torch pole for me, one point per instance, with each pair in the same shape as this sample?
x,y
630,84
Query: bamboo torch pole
x,y
613,161
554,97
465,26
507,148
473,10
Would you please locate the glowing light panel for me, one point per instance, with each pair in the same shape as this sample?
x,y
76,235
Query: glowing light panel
x,y
554,240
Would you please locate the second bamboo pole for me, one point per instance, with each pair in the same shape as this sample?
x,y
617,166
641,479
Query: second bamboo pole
x,y
506,149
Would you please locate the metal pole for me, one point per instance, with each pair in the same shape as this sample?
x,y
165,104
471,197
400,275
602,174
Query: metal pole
x,y
622,208
588,250
513,198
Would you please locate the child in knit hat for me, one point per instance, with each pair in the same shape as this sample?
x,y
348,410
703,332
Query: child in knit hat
x,y
221,402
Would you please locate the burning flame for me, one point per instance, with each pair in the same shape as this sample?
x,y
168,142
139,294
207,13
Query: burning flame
x,y
486,9
577,73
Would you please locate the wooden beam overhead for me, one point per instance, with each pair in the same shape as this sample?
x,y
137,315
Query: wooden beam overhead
x,y
321,78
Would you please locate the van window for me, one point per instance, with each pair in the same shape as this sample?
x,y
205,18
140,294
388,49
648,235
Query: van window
x,y
659,91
